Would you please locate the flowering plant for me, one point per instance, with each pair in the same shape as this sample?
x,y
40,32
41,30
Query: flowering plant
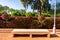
x,y
5,16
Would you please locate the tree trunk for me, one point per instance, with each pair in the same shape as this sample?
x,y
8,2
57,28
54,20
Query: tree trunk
x,y
39,10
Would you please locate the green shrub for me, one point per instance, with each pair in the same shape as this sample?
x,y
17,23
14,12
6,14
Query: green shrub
x,y
46,15
9,14
22,12
41,20
35,24
58,14
34,13
22,22
28,14
2,12
58,22
14,13
48,23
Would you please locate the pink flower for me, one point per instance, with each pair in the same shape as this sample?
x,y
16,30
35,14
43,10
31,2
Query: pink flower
x,y
4,16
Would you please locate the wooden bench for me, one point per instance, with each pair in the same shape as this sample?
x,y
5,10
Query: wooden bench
x,y
31,31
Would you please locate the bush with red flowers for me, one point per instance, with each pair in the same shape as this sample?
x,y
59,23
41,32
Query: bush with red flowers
x,y
5,16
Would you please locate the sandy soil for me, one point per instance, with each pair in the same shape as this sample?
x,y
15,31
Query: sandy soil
x,y
7,35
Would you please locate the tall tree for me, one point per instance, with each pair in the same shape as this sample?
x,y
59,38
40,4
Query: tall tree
x,y
1,7
22,12
36,4
58,5
11,9
6,7
46,6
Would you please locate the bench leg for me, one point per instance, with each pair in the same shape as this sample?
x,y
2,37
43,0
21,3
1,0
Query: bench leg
x,y
48,35
30,35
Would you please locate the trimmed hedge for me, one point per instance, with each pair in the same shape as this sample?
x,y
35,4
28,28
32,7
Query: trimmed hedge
x,y
29,22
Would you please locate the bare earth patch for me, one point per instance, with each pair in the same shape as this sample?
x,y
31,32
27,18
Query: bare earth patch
x,y
9,36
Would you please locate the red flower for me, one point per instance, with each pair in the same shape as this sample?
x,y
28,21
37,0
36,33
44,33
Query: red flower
x,y
4,16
